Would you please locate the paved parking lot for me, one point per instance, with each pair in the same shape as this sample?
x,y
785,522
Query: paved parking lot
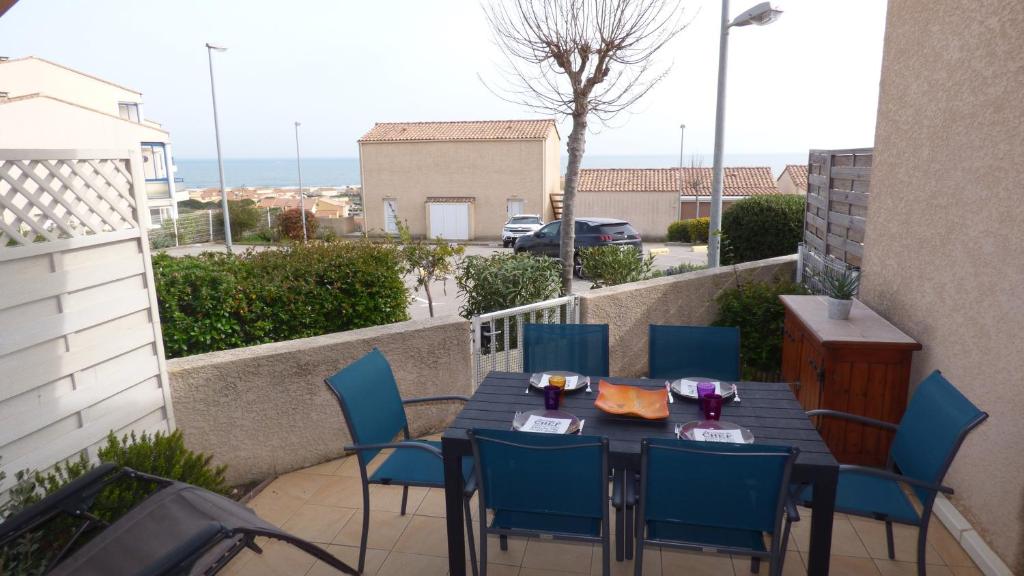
x,y
445,293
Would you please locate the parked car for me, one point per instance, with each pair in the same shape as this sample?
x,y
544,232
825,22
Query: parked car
x,y
519,225
590,232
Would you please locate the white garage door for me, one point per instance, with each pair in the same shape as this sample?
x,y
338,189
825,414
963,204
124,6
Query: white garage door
x,y
449,221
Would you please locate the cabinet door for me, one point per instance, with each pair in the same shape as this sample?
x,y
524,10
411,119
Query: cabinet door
x,y
811,371
792,339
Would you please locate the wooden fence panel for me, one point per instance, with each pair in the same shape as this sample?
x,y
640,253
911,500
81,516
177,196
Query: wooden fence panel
x,y
837,203
80,347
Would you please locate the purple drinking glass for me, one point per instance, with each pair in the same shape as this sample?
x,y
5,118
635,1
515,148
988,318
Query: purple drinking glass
x,y
705,387
711,404
552,394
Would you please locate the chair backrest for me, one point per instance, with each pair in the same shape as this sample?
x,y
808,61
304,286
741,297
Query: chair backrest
x,y
681,351
736,486
370,401
934,425
542,473
580,348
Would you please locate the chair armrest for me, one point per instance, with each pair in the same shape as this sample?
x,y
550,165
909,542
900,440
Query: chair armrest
x,y
434,399
854,418
877,472
396,445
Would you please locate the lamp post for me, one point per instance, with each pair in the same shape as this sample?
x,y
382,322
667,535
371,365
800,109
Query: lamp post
x,y
679,204
302,201
210,48
759,15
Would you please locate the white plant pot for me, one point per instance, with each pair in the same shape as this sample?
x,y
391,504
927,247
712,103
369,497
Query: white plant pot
x,y
839,309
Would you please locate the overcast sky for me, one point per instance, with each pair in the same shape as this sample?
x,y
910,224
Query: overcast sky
x,y
808,80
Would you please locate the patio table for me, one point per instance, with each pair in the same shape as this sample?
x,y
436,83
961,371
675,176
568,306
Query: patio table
x,y
769,410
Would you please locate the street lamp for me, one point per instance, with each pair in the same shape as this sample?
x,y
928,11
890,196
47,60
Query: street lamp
x,y
298,163
210,48
759,15
679,204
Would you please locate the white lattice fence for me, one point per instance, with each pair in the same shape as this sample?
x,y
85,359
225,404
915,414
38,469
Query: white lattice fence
x,y
80,347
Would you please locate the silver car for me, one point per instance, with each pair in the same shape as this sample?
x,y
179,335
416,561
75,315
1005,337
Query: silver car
x,y
519,225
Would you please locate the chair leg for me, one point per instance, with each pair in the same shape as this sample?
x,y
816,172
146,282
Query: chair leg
x,y
922,547
620,533
483,546
630,514
503,542
405,498
366,527
606,550
889,541
755,565
469,535
638,559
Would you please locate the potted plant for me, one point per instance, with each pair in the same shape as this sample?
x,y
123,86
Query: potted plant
x,y
841,285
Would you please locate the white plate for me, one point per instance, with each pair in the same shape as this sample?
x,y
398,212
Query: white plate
x,y
687,387
581,381
520,419
706,428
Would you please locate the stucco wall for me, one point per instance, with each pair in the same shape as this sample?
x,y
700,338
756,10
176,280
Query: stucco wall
x,y
31,76
944,257
787,186
492,172
47,123
649,212
687,299
264,410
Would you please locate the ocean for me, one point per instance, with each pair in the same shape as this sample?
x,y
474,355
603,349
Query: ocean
x,y
280,172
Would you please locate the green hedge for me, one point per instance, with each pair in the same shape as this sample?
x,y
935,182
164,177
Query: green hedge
x,y
699,229
503,281
679,231
762,227
613,265
217,301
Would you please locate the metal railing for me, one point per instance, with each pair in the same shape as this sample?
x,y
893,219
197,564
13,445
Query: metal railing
x,y
810,266
498,336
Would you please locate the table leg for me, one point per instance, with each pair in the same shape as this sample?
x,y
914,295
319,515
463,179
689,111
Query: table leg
x,y
823,508
453,490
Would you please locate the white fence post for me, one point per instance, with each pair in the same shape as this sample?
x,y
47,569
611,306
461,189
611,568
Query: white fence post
x,y
175,221
209,214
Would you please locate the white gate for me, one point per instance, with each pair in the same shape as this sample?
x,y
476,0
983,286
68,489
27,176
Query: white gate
x,y
449,221
498,336
80,346
516,206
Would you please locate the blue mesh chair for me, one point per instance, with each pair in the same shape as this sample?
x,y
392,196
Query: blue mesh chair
x,y
723,497
927,439
542,484
375,415
681,351
580,348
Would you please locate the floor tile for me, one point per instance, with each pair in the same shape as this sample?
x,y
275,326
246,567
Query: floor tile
x,y
850,566
299,484
275,507
385,530
538,572
433,504
350,556
574,557
424,535
329,468
652,562
316,523
966,571
389,498
695,563
947,547
872,534
340,491
793,565
501,570
845,539
279,559
402,564
512,557
891,568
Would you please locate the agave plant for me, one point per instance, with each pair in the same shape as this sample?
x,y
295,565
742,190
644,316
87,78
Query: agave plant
x,y
840,283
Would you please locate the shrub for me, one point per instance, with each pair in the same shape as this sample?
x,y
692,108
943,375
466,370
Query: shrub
x,y
502,281
160,454
217,301
243,214
613,265
756,310
762,227
680,269
699,229
679,231
289,224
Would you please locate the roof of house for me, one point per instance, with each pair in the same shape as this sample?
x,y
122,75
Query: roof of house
x,y
739,181
37,95
79,72
798,172
453,131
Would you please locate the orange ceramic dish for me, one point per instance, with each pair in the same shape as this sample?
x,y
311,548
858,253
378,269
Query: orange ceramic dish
x,y
630,400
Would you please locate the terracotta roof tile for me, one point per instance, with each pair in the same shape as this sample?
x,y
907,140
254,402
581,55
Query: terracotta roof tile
x,y
798,172
449,131
745,181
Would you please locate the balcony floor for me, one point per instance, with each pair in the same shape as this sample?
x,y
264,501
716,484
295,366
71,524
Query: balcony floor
x,y
323,504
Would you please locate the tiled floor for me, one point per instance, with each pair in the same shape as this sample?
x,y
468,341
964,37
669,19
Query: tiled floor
x,y
323,504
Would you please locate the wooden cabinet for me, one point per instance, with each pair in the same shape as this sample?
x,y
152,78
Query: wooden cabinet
x,y
860,365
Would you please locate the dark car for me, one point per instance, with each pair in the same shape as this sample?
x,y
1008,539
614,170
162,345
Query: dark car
x,y
590,232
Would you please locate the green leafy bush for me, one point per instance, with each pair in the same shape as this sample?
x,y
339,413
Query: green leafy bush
x,y
243,214
679,231
699,229
756,310
502,281
613,265
159,454
289,224
762,227
217,301
679,269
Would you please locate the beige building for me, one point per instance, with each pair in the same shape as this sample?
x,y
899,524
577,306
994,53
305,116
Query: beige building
x,y
793,180
943,253
44,105
652,198
457,180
